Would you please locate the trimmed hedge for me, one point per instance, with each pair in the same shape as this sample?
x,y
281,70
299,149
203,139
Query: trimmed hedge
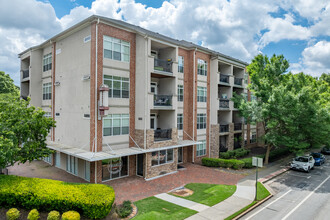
x,y
233,154
92,200
215,162
247,162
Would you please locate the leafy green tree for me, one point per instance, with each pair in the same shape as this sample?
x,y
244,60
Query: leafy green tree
x,y
293,109
7,84
23,129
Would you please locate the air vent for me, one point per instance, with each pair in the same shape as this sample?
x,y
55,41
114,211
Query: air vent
x,y
86,39
86,116
57,114
86,77
57,83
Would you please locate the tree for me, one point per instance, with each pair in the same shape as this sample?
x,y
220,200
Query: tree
x,y
7,84
293,109
23,129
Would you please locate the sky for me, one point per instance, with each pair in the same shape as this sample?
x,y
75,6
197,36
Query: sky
x,y
298,29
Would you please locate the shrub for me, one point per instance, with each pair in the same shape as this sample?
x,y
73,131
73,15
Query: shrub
x,y
53,215
33,215
273,155
247,162
71,215
214,162
210,162
13,214
233,154
125,209
238,164
92,200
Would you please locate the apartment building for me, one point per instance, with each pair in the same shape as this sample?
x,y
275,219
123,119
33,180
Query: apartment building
x,y
128,101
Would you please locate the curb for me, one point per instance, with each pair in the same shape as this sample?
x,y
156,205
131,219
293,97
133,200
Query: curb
x,y
273,175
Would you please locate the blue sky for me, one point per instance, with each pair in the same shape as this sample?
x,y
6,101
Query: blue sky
x,y
298,29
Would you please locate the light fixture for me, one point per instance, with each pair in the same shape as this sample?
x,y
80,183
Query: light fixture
x,y
104,100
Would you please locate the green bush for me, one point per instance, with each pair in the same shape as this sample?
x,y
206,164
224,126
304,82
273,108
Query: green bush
x,y
33,215
273,155
53,215
13,214
71,215
92,200
247,162
233,154
125,209
215,162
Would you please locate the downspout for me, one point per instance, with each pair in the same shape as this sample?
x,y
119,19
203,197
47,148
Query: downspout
x,y
146,106
193,154
96,107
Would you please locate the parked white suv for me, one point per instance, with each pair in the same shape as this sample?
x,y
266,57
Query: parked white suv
x,y
304,163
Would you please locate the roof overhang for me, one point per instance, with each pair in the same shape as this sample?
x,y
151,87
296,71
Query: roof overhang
x,y
108,153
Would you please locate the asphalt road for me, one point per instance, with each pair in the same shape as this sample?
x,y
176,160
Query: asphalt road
x,y
298,196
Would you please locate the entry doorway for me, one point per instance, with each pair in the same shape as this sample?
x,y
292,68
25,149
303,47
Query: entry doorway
x,y
139,165
180,155
153,121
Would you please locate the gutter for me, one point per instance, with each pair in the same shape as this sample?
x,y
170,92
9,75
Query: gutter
x,y
96,107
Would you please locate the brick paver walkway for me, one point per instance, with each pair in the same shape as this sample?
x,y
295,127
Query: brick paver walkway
x,y
134,188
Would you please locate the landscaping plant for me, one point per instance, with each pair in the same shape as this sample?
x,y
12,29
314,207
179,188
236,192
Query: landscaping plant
x,y
12,214
71,215
33,215
53,215
125,209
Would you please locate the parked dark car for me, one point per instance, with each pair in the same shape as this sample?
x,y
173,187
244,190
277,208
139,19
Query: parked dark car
x,y
319,158
325,150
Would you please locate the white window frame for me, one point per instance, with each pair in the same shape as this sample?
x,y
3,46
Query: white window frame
x,y
181,64
58,159
253,137
47,91
48,115
113,117
120,176
109,50
48,159
180,93
111,80
72,165
180,121
201,94
201,121
166,157
201,67
201,149
87,169
47,62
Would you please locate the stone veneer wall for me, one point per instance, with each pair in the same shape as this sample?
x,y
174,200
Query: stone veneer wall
x,y
230,140
214,141
160,169
152,144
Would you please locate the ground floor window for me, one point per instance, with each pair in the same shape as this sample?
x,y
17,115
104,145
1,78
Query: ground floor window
x,y
58,159
161,157
72,165
253,137
87,170
49,159
201,149
114,168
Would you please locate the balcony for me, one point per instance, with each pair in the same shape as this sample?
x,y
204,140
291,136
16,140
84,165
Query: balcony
x,y
25,74
224,103
163,65
224,78
238,81
162,135
162,100
224,128
237,126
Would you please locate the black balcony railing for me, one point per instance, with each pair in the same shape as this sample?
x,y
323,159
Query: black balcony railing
x,y
224,78
25,74
162,134
224,128
224,103
162,100
237,126
163,65
238,81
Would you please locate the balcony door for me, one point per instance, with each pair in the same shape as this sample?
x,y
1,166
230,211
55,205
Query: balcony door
x,y
153,88
153,121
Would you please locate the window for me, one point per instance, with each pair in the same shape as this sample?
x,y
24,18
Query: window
x,y
246,76
72,165
201,67
46,91
201,149
47,115
47,62
201,121
116,49
180,93
201,94
118,86
253,137
161,157
87,170
114,168
116,124
49,159
58,159
180,121
181,64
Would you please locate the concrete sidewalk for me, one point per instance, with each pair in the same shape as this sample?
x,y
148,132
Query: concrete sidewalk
x,y
243,196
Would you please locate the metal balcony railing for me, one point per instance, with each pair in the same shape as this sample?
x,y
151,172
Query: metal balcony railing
x,y
25,74
224,128
162,100
163,65
238,81
224,78
224,103
237,126
162,134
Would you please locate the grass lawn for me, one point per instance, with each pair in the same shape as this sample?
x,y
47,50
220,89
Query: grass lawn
x,y
154,208
261,194
209,194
